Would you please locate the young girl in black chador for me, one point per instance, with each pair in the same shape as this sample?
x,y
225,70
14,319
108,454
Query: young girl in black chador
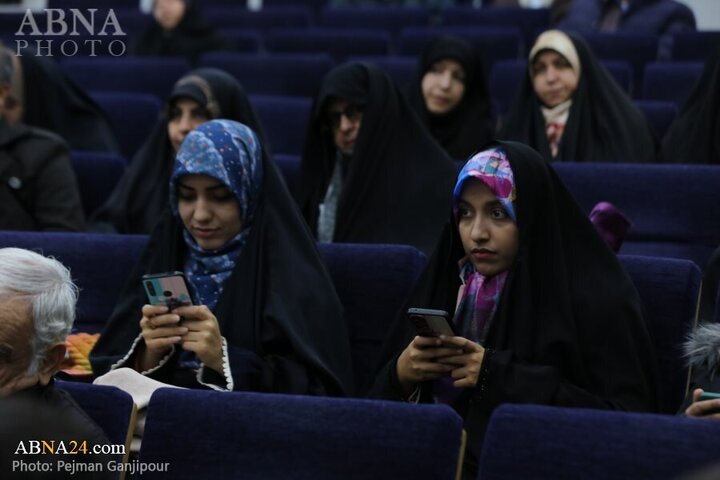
x,y
543,311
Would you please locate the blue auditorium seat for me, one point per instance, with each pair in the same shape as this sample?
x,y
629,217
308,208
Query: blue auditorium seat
x,y
550,443
276,74
659,114
388,18
97,174
289,166
99,265
338,42
244,40
110,408
284,121
271,437
669,289
671,81
636,49
401,68
153,75
234,16
673,208
132,117
493,43
372,282
694,46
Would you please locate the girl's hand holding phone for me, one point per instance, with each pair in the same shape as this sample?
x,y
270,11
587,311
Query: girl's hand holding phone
x,y
202,335
161,329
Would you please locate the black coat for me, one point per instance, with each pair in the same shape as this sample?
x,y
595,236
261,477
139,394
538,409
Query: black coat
x,y
398,182
279,312
568,329
38,188
603,125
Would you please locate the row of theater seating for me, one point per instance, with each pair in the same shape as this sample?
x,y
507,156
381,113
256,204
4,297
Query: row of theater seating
x,y
205,434
674,208
372,282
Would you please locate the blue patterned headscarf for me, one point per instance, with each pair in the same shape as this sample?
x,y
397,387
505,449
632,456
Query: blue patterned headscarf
x,y
231,153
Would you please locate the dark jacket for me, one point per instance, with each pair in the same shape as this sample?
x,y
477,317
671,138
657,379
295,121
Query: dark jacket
x,y
38,189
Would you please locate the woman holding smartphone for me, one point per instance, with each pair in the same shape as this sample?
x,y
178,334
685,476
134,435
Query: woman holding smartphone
x,y
267,317
544,312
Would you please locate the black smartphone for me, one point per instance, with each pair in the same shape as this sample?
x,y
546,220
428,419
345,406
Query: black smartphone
x,y
169,288
431,323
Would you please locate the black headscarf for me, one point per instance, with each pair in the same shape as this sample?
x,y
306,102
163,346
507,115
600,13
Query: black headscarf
x,y
142,193
568,329
54,102
467,128
694,137
190,38
396,187
603,124
278,309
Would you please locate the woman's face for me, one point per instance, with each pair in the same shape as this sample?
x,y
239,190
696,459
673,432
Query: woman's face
x,y
443,86
168,13
209,210
184,116
489,236
554,79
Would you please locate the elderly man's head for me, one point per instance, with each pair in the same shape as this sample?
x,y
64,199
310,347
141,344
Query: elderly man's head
x,y
37,310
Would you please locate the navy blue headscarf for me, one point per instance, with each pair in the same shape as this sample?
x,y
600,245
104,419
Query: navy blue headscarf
x,y
231,153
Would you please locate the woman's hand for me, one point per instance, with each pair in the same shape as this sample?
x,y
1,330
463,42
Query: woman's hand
x,y
419,362
703,408
203,335
160,330
466,364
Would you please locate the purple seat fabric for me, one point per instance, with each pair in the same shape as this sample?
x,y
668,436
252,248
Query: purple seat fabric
x,y
284,121
97,173
372,282
659,114
99,264
276,74
671,81
289,166
672,207
387,18
245,41
234,16
544,443
151,75
493,43
636,49
273,437
339,43
402,68
132,117
669,290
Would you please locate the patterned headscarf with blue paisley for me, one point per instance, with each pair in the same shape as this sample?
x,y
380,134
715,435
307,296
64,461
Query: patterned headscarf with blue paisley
x,y
231,153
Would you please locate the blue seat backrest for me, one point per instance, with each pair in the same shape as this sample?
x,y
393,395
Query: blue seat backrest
x,y
234,16
284,120
549,443
401,68
340,43
273,437
659,114
671,81
694,46
97,174
99,265
372,282
669,289
386,18
635,48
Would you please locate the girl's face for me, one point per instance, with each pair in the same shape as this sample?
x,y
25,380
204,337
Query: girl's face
x,y
168,13
554,79
184,116
443,86
489,236
209,210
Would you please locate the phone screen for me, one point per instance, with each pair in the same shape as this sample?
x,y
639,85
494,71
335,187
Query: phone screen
x,y
167,289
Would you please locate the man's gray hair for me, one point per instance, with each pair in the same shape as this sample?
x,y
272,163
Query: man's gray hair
x,y
48,288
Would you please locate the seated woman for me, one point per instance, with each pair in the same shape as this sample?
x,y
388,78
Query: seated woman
x,y
266,316
451,96
141,194
178,30
570,109
370,171
543,311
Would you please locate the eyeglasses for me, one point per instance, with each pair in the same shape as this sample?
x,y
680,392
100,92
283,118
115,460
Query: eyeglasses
x,y
352,112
